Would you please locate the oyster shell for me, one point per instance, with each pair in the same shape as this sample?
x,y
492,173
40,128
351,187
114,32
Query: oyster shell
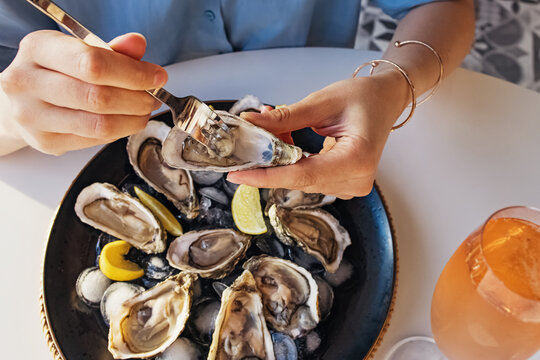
x,y
209,253
289,292
253,147
106,208
148,323
240,330
292,199
144,152
316,231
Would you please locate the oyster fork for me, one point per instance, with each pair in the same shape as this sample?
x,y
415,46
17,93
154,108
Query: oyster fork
x,y
192,115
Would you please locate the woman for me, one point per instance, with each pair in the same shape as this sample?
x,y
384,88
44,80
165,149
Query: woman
x,y
58,94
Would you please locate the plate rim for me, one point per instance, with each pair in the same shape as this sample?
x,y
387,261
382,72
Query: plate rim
x,y
52,342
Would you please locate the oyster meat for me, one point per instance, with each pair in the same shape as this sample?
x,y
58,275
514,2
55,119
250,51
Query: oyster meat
x,y
316,231
106,208
209,253
291,199
289,293
252,147
144,152
148,323
240,330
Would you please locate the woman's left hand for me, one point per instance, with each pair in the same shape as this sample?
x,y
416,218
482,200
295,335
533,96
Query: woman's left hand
x,y
356,116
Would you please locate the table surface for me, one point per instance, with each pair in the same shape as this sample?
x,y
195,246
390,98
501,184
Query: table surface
x,y
469,151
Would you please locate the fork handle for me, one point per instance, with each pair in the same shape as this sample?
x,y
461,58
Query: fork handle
x,y
75,28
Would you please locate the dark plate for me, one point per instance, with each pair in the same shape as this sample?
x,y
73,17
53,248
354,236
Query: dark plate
x,y
358,319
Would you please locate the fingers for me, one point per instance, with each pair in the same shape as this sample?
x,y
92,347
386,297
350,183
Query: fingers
x,y
131,44
43,117
76,94
339,171
305,113
58,144
65,54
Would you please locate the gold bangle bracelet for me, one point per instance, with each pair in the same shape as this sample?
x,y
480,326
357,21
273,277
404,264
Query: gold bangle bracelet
x,y
399,44
373,64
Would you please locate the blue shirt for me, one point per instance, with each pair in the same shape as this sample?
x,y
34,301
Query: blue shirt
x,y
179,30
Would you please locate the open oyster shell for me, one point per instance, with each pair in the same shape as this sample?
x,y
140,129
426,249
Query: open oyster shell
x,y
209,253
316,231
292,199
240,330
144,152
103,206
148,323
253,147
290,294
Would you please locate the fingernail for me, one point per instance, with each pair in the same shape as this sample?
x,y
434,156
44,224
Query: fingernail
x,y
232,178
160,78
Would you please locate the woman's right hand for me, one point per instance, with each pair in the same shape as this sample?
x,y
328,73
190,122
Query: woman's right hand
x,y
61,94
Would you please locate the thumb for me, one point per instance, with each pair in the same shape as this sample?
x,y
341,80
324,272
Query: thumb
x,y
287,118
130,44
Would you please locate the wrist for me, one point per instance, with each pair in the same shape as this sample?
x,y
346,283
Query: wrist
x,y
396,87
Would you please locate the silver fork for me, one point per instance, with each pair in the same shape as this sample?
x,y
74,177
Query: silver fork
x,y
194,116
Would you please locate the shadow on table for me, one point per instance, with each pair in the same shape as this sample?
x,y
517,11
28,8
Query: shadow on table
x,y
44,178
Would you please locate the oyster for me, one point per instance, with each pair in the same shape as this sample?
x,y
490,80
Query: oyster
x,y
316,231
209,253
289,292
144,152
253,147
106,208
240,329
297,199
148,323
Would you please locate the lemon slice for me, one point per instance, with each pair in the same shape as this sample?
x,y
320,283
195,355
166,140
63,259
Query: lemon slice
x,y
246,210
163,214
113,264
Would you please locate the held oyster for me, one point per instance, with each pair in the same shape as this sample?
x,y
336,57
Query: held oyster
x,y
289,292
106,208
240,330
209,253
316,231
144,151
292,199
253,147
148,323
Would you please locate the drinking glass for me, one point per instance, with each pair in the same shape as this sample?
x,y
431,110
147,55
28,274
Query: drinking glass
x,y
486,303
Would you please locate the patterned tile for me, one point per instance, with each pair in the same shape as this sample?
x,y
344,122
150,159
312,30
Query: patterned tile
x,y
507,38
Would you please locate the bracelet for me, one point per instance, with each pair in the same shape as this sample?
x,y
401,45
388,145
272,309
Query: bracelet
x,y
373,64
441,68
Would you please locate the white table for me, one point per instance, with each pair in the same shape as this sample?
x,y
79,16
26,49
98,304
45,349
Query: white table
x,y
469,151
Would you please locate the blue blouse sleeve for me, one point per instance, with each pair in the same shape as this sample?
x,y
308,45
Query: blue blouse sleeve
x,y
398,9
18,18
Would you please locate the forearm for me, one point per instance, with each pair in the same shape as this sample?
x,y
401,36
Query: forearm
x,y
447,26
9,138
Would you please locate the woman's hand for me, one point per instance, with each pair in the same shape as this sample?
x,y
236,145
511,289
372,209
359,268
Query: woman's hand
x,y
60,94
355,115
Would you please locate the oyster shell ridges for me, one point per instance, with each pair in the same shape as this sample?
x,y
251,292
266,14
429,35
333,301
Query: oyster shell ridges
x,y
241,315
316,231
208,253
104,207
188,203
148,323
254,147
289,292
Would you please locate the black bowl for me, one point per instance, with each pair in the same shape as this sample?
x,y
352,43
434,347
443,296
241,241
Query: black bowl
x,y
360,313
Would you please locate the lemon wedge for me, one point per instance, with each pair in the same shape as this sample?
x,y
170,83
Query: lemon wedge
x,y
113,264
165,217
246,210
